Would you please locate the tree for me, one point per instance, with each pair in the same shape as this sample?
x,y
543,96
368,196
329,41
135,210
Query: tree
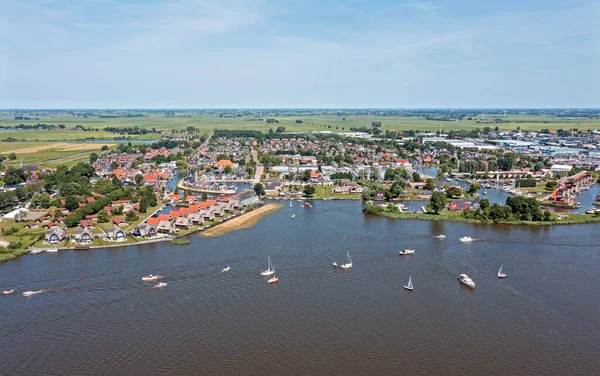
x,y
118,210
72,220
104,148
41,200
437,202
416,177
374,175
228,169
12,156
309,191
93,157
390,174
14,176
143,205
139,179
551,184
71,203
484,204
440,174
259,189
190,129
366,193
473,188
397,188
453,192
429,184
103,216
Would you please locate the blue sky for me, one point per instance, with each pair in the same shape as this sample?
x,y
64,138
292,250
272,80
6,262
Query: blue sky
x,y
287,53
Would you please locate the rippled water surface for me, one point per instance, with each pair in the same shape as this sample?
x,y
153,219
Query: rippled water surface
x,y
96,316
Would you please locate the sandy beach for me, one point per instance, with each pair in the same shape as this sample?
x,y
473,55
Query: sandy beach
x,y
246,220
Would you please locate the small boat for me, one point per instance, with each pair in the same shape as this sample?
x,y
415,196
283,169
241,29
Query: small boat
x,y
334,264
466,239
8,292
290,203
273,280
466,280
160,285
302,206
501,274
226,268
448,179
52,250
270,270
409,286
590,211
441,236
485,192
293,216
29,293
406,252
150,277
348,264
36,251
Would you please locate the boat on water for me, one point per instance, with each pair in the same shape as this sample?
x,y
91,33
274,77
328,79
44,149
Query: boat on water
x,y
270,270
52,250
31,293
160,285
334,264
293,216
273,280
226,268
150,277
501,274
466,280
590,211
485,192
466,239
302,206
290,203
409,285
448,179
441,236
348,263
406,252
8,292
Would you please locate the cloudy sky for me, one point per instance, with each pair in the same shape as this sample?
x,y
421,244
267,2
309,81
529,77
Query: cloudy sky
x,y
299,53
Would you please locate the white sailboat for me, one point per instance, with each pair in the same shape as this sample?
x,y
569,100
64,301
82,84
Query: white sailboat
x,y
290,203
348,263
270,271
409,286
501,274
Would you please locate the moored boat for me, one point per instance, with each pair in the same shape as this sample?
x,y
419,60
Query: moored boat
x,y
466,280
270,270
348,263
273,280
160,285
30,293
8,292
441,236
409,285
150,277
406,252
501,274
334,264
226,268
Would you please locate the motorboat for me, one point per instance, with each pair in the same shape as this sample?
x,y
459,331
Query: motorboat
x,y
160,285
501,274
273,280
334,264
441,236
406,252
466,239
30,293
590,211
409,285
485,192
293,216
348,263
150,277
290,203
466,280
226,268
302,206
52,250
8,292
270,270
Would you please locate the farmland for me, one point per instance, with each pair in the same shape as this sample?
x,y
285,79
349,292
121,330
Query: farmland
x,y
49,154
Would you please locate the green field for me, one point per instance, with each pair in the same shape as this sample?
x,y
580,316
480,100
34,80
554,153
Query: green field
x,y
206,124
49,154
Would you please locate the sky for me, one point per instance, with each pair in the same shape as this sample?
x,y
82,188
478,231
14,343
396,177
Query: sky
x,y
299,54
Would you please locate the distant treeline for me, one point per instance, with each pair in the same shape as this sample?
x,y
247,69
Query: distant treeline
x,y
130,130
239,133
34,126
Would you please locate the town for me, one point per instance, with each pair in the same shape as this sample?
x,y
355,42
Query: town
x,y
135,193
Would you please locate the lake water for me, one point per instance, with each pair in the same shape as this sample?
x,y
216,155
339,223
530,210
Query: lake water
x,y
543,319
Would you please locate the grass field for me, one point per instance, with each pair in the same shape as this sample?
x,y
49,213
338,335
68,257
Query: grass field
x,y
49,154
206,124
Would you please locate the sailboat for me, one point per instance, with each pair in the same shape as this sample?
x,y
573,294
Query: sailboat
x,y
290,203
348,263
409,286
270,271
501,274
273,280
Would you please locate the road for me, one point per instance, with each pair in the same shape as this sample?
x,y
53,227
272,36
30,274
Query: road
x,y
259,168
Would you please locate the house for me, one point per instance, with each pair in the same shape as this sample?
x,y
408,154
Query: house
x,y
417,185
152,221
146,230
246,198
183,222
83,235
174,214
86,223
164,217
119,222
115,234
224,163
455,206
196,218
190,199
348,186
175,197
33,225
380,196
54,236
165,226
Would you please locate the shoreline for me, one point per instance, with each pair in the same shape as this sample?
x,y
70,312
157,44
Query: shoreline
x,y
584,219
244,221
